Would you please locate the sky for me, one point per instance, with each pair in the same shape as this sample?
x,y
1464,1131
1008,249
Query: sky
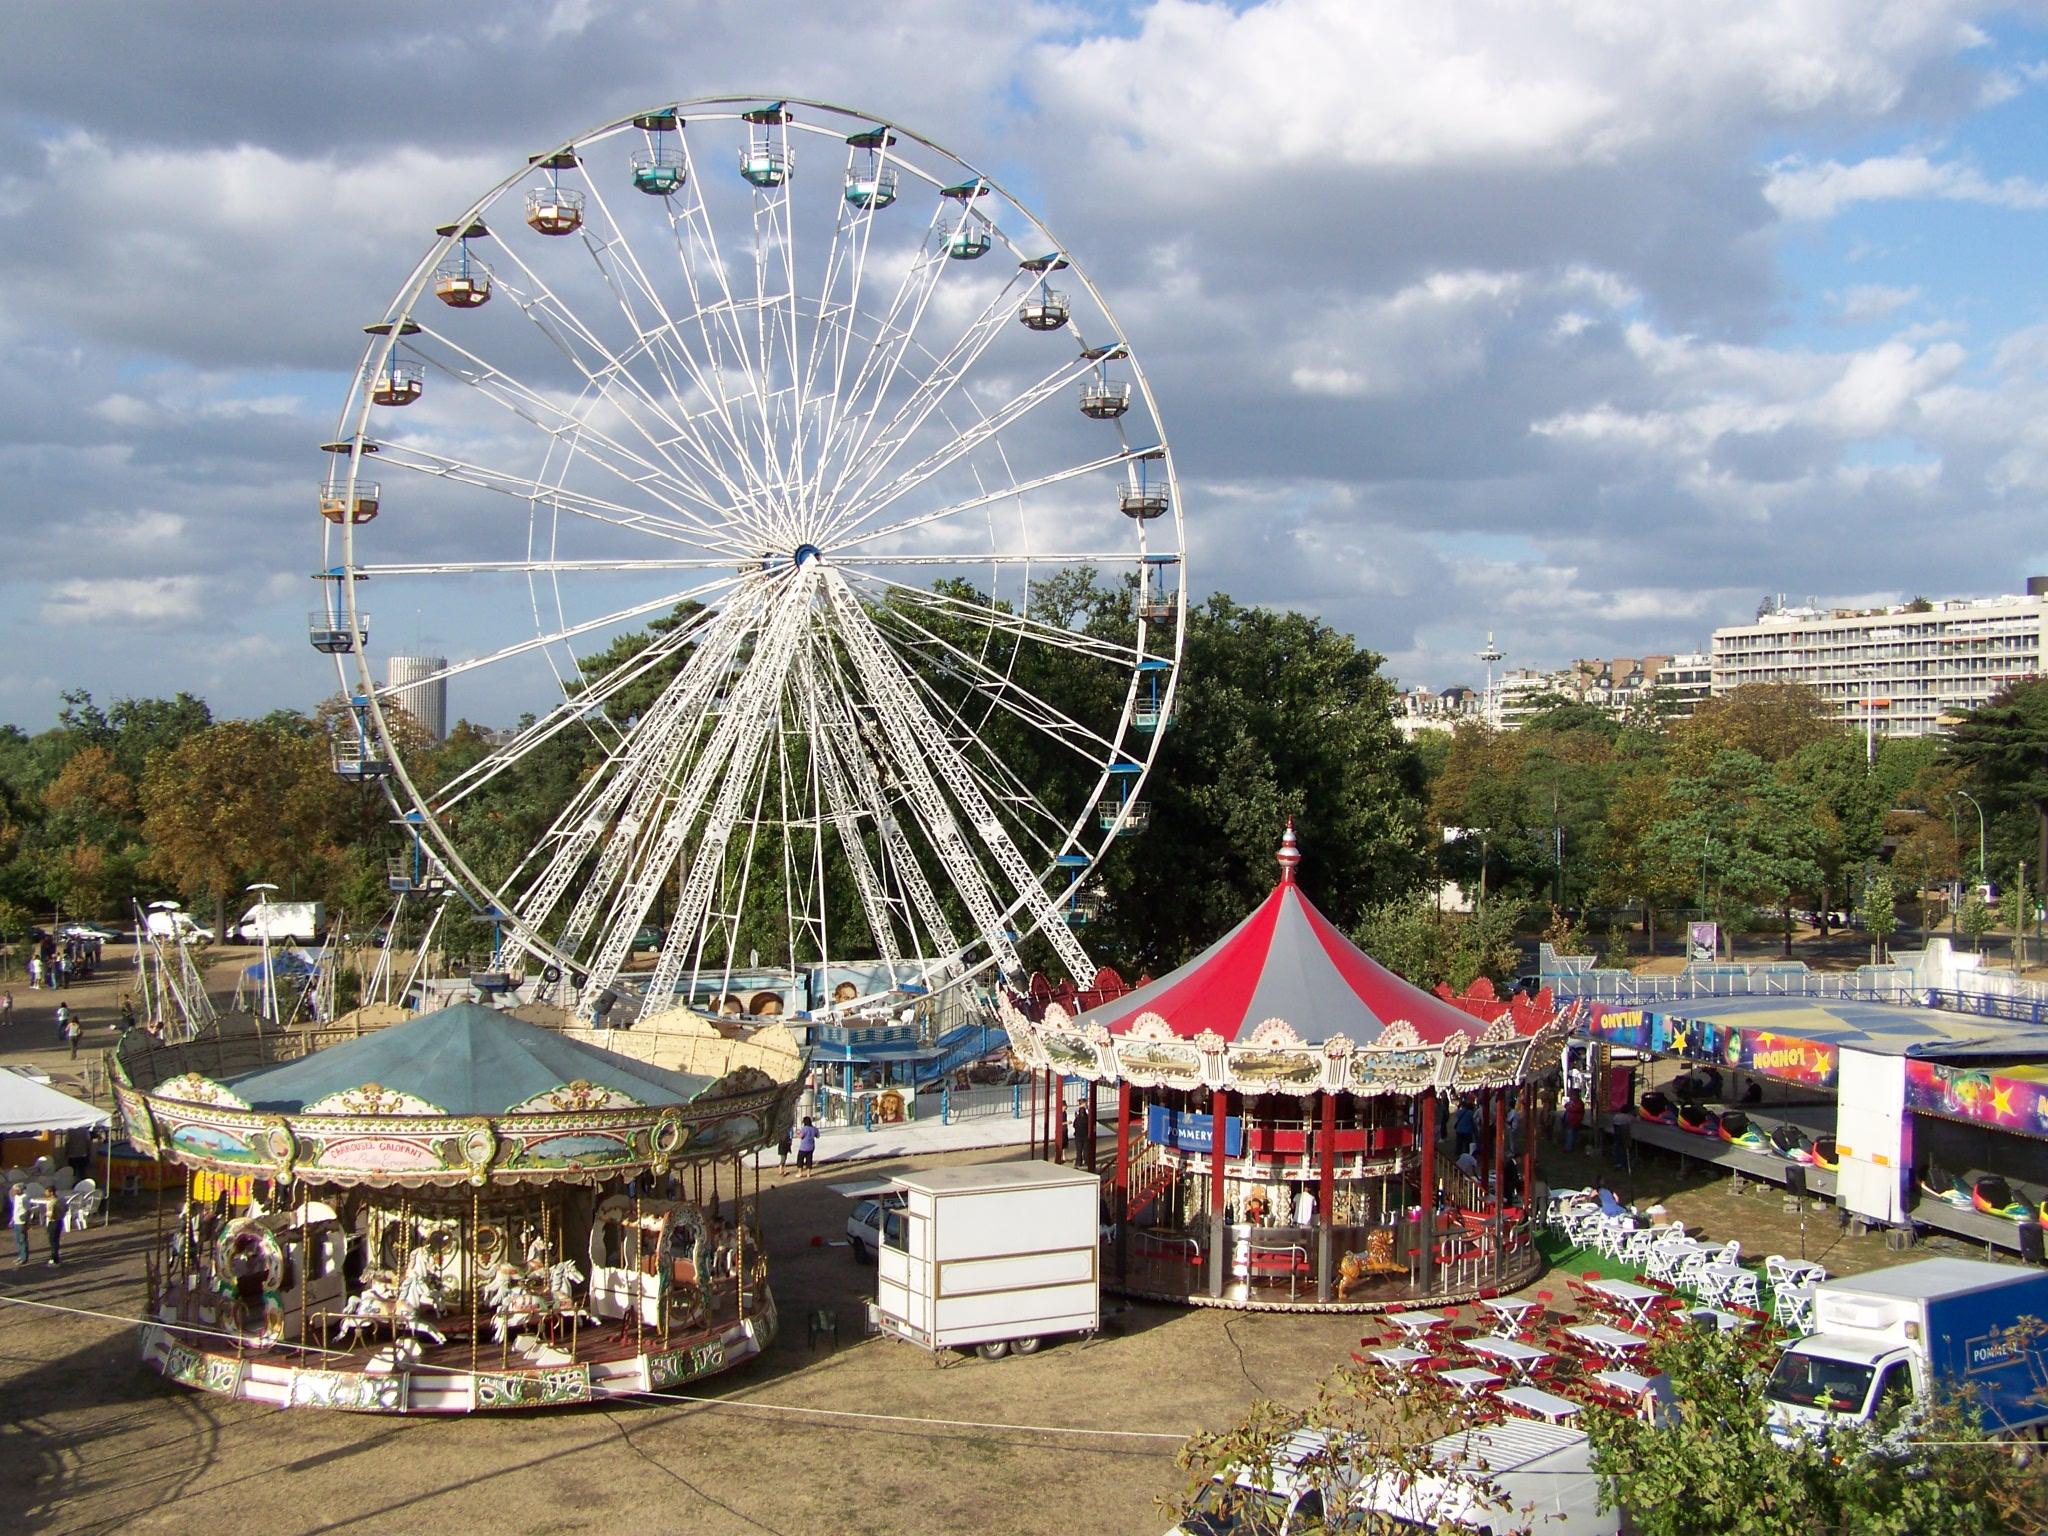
x,y
1586,324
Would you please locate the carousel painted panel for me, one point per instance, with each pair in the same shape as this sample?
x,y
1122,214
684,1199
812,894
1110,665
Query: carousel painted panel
x,y
1158,1063
673,1367
351,1391
1492,1064
377,1154
573,1149
1273,1059
1406,1070
533,1389
1071,1054
213,1144
136,1120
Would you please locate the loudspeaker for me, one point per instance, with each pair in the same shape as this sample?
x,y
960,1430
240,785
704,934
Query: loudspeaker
x,y
2032,1247
1795,1179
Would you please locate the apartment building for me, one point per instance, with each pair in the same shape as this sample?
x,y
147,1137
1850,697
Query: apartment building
x,y
1907,670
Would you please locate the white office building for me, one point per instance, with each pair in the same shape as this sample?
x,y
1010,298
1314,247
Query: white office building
x,y
1900,671
419,692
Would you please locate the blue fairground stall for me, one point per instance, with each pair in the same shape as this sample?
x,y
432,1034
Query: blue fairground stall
x,y
1905,1117
1283,1104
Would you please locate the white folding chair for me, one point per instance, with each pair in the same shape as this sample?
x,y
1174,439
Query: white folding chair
x,y
1690,1268
85,1204
1741,1290
1791,1306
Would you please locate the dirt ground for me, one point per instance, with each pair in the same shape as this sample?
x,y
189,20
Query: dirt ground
x,y
90,1442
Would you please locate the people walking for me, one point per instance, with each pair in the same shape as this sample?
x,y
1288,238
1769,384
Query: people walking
x,y
1084,1144
127,1014
782,1149
1574,1118
7,1008
71,1028
1466,1127
35,973
806,1145
63,1019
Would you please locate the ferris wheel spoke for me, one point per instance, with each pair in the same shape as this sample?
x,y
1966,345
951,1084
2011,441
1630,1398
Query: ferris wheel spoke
x,y
548,413
628,276
875,449
657,476
424,461
624,799
729,763
829,728
544,567
391,691
577,709
919,741
987,615
865,773
986,498
863,502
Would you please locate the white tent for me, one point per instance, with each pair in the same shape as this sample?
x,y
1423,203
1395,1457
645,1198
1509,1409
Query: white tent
x,y
27,1107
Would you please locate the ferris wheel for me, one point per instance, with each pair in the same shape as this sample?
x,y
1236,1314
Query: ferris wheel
x,y
756,451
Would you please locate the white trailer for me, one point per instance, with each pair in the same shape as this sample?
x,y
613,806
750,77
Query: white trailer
x,y
994,1257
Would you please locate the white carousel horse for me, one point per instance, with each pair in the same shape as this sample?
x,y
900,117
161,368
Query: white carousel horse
x,y
534,1299
404,1304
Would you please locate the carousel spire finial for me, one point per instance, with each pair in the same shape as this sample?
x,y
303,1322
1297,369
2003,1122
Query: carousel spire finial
x,y
1290,853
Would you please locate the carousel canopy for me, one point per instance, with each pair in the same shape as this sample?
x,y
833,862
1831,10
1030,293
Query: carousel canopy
x,y
465,1059
1286,961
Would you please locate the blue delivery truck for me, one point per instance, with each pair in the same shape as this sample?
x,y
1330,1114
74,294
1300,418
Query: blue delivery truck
x,y
1935,1327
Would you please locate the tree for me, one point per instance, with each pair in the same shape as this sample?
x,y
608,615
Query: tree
x,y
1771,721
238,802
1977,918
1878,910
1750,833
1848,803
1639,869
2003,745
2013,911
1411,938
1716,1470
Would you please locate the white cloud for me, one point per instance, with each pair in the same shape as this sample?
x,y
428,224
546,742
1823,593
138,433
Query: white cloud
x,y
125,602
1871,301
1800,189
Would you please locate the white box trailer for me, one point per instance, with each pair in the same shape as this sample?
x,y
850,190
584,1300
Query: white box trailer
x,y
993,1257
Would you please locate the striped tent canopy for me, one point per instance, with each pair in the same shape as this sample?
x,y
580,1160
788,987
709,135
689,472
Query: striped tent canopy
x,y
1286,961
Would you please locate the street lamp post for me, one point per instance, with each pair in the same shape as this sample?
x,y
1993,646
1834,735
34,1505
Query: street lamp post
x,y
1965,794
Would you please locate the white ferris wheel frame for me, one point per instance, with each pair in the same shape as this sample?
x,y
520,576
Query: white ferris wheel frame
x,y
765,562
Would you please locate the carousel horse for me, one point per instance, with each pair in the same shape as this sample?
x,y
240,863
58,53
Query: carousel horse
x,y
1698,1119
1736,1130
534,1299
1354,1269
1657,1109
405,1304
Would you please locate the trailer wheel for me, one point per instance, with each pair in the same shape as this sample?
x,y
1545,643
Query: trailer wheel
x,y
1025,1346
994,1349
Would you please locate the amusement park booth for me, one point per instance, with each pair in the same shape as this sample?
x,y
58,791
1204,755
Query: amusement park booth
x,y
1282,1104
465,1210
1897,1113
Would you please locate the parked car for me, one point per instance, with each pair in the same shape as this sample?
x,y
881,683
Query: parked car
x,y
876,1220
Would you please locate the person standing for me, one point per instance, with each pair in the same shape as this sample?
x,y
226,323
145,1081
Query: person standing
x,y
18,1216
63,1017
1465,1128
35,972
1084,1144
1574,1118
806,1145
782,1150
127,1014
72,1030
7,1008
53,1221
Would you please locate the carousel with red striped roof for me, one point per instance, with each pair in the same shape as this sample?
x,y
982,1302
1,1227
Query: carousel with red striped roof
x,y
1292,1126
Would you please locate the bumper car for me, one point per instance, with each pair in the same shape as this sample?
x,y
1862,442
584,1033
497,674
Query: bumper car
x,y
1698,1119
1736,1130
1994,1197
1790,1143
1657,1109
1954,1191
1824,1153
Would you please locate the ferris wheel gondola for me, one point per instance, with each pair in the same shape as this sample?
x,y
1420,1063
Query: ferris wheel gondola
x,y
824,461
